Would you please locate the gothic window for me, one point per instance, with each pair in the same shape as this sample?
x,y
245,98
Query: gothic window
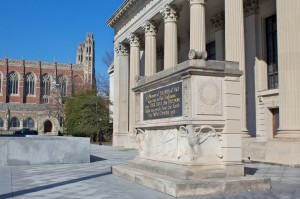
x,y
13,83
14,122
29,85
211,50
29,123
1,122
272,54
46,85
62,80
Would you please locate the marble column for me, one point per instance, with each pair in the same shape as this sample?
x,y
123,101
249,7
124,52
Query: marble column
x,y
134,41
170,15
197,25
235,47
150,29
288,15
121,103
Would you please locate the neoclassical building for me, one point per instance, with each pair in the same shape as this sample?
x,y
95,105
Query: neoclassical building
x,y
261,35
31,91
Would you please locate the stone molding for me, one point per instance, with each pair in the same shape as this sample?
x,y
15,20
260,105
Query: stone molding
x,y
218,20
250,7
192,2
150,28
122,49
134,40
170,13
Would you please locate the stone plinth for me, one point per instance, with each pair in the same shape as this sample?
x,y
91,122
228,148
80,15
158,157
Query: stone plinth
x,y
188,128
33,150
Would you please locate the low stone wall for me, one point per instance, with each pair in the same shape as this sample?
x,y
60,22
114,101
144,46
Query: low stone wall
x,y
33,150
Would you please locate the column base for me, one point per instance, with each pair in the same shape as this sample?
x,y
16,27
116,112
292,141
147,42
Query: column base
x,y
120,139
245,133
288,134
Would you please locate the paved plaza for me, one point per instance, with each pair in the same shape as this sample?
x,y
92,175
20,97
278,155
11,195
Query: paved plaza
x,y
94,180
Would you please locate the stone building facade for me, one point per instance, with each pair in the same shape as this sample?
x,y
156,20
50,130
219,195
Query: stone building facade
x,y
31,92
262,35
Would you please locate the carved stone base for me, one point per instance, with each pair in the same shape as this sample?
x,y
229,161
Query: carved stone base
x,y
152,177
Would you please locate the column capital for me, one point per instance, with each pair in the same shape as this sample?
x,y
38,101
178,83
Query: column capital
x,y
218,20
170,13
150,28
193,2
134,40
121,49
250,7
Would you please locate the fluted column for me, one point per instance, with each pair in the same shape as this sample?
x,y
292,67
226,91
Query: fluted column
x,y
197,25
150,29
121,103
235,47
170,15
134,41
288,15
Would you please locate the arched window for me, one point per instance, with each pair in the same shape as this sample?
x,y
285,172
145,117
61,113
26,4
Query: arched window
x,y
29,85
46,86
1,122
14,122
29,123
13,83
62,80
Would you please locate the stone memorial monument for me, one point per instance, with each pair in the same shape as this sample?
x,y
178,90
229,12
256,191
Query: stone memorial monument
x,y
188,128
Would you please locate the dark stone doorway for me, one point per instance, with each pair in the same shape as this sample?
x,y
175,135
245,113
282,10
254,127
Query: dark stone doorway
x,y
48,126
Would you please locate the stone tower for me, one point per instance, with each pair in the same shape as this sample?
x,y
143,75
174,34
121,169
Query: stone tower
x,y
86,57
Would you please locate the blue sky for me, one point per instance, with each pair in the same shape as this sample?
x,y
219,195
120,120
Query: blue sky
x,y
53,28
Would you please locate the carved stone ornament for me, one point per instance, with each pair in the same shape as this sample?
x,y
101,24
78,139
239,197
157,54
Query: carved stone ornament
x,y
250,7
121,49
170,13
218,20
140,139
203,140
150,28
134,40
192,2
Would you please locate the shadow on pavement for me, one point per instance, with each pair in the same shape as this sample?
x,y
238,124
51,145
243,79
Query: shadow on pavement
x,y
249,171
96,158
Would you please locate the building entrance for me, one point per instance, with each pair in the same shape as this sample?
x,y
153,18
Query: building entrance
x,y
47,126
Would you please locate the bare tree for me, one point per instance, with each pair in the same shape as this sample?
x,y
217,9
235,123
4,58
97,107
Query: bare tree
x,y
108,59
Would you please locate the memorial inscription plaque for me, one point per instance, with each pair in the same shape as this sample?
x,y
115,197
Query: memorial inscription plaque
x,y
164,102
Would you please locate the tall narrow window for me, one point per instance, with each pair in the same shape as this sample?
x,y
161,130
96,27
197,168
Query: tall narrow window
x,y
14,122
29,123
29,86
46,85
63,85
211,50
272,53
13,83
1,122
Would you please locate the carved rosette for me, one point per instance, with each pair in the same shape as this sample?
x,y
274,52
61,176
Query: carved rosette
x,y
186,99
250,7
134,40
193,2
121,49
150,28
218,20
170,13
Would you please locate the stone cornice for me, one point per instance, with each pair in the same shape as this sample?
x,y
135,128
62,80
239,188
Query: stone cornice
x,y
150,28
134,40
170,13
218,20
122,10
250,7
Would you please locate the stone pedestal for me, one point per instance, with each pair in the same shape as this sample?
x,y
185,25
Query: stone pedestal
x,y
188,130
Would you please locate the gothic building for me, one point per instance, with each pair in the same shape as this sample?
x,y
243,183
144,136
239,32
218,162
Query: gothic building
x,y
261,35
31,91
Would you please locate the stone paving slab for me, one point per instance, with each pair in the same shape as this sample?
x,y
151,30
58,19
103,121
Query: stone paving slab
x,y
94,180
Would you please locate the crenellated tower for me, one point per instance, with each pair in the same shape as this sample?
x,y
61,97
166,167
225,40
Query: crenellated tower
x,y
86,57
